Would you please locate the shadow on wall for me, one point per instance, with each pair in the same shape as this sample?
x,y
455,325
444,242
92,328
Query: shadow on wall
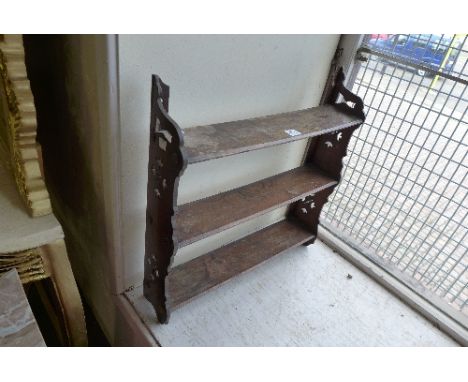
x,y
66,118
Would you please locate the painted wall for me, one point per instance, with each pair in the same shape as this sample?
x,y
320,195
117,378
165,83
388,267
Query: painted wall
x,y
212,79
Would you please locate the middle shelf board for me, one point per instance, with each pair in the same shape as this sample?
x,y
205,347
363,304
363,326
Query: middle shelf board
x,y
199,219
219,140
213,269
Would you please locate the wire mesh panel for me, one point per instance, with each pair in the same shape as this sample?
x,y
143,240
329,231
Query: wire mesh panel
x,y
403,195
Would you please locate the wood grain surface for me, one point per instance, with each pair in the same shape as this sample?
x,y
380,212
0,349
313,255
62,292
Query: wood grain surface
x,y
208,216
219,140
205,272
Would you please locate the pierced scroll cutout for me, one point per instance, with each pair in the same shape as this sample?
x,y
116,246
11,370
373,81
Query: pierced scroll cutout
x,y
164,134
307,210
331,148
353,104
162,144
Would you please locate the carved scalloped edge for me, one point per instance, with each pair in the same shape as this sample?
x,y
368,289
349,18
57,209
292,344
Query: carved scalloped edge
x,y
183,159
155,289
25,157
348,95
357,110
338,140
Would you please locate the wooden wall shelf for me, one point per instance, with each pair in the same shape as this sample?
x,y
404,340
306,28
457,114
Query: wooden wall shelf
x,y
304,190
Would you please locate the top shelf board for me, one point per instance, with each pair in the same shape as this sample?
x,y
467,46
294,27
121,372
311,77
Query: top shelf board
x,y
223,139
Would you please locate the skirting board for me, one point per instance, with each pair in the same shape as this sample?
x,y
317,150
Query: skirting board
x,y
131,330
394,285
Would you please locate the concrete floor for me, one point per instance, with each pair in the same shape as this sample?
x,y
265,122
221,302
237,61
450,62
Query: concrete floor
x,y
305,297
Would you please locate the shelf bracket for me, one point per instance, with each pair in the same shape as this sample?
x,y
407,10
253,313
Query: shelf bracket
x,y
353,103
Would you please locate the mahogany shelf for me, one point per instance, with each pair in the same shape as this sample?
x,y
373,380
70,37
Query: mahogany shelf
x,y
223,139
208,271
303,190
197,220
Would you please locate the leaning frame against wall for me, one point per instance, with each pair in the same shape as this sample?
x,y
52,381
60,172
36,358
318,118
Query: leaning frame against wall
x,y
19,150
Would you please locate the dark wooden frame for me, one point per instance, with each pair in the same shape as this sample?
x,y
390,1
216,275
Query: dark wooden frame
x,y
305,190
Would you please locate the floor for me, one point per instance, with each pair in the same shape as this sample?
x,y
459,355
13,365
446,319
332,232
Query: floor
x,y
305,297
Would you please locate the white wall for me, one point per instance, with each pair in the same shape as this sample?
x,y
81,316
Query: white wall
x,y
212,79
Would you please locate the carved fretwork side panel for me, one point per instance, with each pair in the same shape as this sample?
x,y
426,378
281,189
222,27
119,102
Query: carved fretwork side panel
x,y
327,152
166,164
330,149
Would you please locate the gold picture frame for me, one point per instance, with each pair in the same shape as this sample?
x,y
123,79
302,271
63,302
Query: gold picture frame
x,y
19,150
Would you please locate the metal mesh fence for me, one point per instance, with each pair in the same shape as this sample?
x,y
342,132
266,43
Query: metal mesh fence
x,y
403,194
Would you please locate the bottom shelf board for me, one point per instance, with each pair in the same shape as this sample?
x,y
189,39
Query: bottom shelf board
x,y
208,271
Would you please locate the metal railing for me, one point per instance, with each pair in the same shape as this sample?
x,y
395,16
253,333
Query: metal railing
x,y
403,194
